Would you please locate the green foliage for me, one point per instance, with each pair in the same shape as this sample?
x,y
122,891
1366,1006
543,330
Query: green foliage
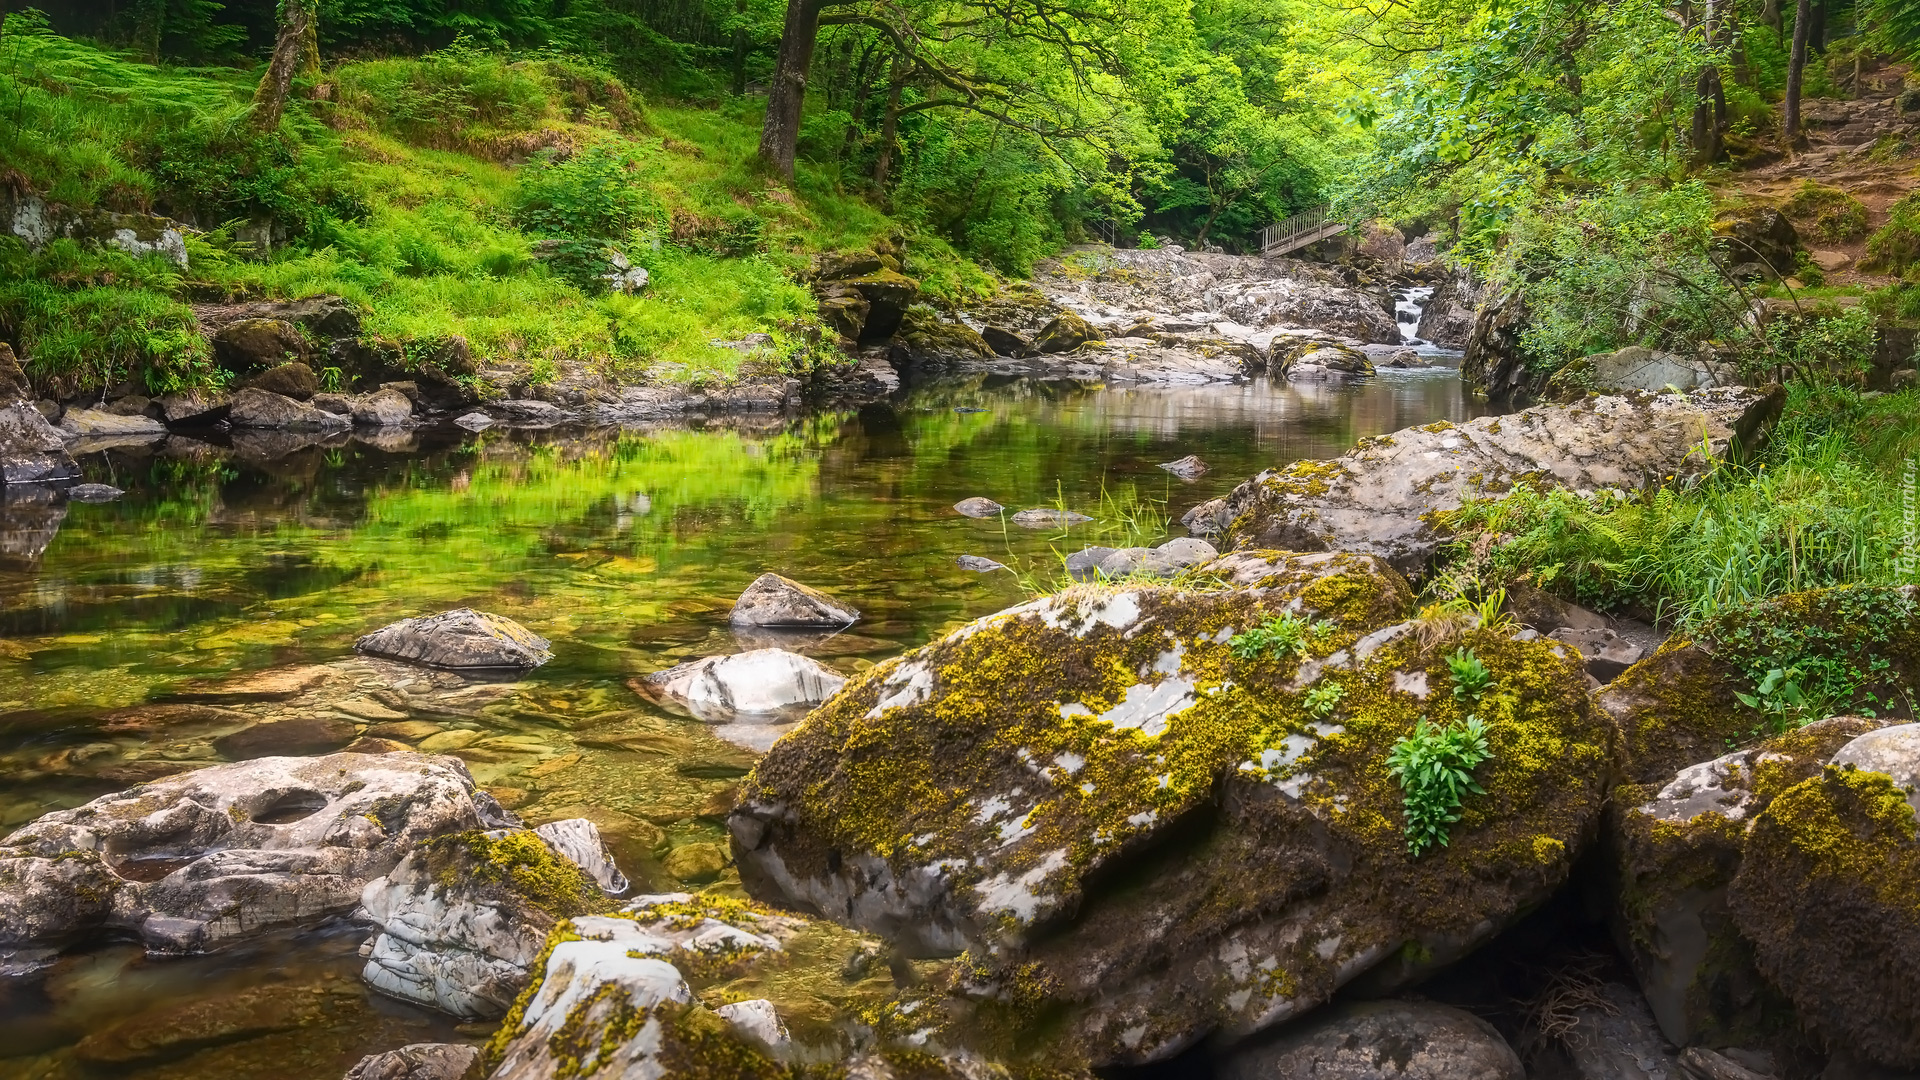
x,y
1434,767
1803,670
585,202
89,318
1822,345
1471,677
1895,247
1280,636
1321,700
1826,213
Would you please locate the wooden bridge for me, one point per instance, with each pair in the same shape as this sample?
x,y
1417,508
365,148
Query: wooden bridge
x,y
1296,232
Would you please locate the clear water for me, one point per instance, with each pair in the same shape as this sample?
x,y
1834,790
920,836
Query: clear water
x,y
626,548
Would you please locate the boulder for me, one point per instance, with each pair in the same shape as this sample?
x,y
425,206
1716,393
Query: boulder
x,y
1677,846
1065,333
1608,655
978,507
1164,561
94,493
13,381
1048,518
1757,241
1206,519
461,920
193,408
457,639
1319,360
382,408
186,862
337,404
475,421
888,294
1635,368
776,601
1494,361
1187,468
1447,318
418,1061
1829,895
294,380
132,405
31,450
85,423
1379,240
719,688
531,411
1385,496
1143,833
844,310
253,344
256,408
925,340
1612,1037
1005,342
1421,1041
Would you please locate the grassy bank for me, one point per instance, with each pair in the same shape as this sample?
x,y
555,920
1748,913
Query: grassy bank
x,y
422,190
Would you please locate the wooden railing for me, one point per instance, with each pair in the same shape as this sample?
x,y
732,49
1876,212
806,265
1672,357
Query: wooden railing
x,y
1282,236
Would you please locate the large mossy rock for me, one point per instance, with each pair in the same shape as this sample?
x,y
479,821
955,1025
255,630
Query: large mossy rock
x,y
1385,496
1829,895
1133,830
1682,705
1676,849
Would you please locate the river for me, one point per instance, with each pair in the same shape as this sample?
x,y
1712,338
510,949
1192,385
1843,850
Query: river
x,y
624,547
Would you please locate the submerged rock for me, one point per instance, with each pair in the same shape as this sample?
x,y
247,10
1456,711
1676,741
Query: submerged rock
x,y
1383,496
973,795
1422,1041
1187,468
978,507
418,1061
775,601
719,688
463,917
461,638
94,493
1049,518
979,564
186,862
287,738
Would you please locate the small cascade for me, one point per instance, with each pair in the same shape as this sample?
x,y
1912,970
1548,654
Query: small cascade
x,y
1408,305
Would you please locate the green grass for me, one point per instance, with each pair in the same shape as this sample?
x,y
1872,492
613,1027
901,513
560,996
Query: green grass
x,y
1822,507
400,176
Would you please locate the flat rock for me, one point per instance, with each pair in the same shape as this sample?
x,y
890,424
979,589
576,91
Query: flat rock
x,y
175,1030
462,638
94,493
1380,1040
296,737
189,861
531,412
1048,518
978,507
1608,654
278,684
263,409
720,688
1380,498
775,601
87,423
418,1061
979,564
475,421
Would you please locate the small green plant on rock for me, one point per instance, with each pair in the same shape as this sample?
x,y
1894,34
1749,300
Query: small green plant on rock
x,y
1280,636
1778,697
1471,679
1434,767
1322,699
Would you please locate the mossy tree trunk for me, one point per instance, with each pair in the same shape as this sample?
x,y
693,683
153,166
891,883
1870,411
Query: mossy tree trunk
x,y
780,135
1797,72
298,34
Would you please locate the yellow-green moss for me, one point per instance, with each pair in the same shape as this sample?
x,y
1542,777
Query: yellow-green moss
x,y
520,862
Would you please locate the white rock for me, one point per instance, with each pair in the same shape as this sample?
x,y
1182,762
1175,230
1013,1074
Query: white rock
x,y
719,688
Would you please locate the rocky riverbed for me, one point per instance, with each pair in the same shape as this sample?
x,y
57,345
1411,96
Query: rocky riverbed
x,y
1110,826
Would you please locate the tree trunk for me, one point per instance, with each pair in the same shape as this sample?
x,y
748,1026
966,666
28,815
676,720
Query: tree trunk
x,y
889,128
270,97
1770,15
1709,117
1797,71
780,135
741,46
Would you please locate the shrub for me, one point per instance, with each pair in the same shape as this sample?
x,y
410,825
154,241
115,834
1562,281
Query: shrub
x,y
218,170
1434,766
584,202
1826,213
1895,248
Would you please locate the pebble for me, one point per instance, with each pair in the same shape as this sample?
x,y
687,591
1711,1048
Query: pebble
x,y
978,507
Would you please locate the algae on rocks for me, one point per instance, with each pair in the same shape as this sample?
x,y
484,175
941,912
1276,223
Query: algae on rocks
x,y
1128,828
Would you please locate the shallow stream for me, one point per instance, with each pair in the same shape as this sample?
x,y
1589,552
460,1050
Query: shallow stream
x,y
626,548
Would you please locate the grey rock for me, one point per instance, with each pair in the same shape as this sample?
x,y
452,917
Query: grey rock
x,y
1313,361
1187,468
1048,518
32,450
298,736
1123,561
1005,342
383,408
417,1061
1894,751
475,421
718,689
193,409
94,493
13,381
294,380
83,423
577,840
1617,1040
461,638
1204,519
1185,551
337,404
978,507
979,564
1635,368
1903,379
1380,1040
531,412
1083,563
252,344
256,408
1380,497
1705,1064
1608,654
757,1020
186,862
1403,358
773,600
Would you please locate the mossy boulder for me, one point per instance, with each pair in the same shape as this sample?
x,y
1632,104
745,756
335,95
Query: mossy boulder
x,y
1065,333
1829,895
1389,495
1855,648
1146,834
1676,848
888,294
924,340
1310,361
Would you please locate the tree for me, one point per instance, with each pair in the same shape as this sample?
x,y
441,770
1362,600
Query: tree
x,y
1797,70
294,51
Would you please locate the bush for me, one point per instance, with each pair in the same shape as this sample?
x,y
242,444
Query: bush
x,y
85,319
584,202
1895,248
221,170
